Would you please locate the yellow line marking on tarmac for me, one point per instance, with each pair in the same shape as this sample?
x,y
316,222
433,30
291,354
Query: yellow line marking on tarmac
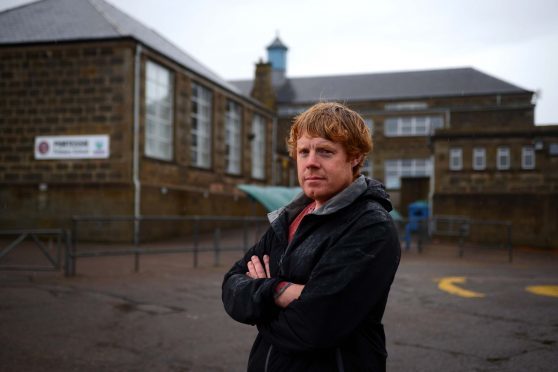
x,y
543,290
448,284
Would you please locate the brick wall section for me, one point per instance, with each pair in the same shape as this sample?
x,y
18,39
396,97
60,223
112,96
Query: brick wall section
x,y
64,90
528,198
88,88
533,216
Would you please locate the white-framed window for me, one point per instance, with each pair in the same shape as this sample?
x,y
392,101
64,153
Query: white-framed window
x,y
233,136
479,158
456,159
370,124
397,168
258,147
503,158
200,145
367,168
528,157
406,106
412,125
159,112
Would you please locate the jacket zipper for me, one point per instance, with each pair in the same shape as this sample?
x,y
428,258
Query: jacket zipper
x,y
267,358
339,359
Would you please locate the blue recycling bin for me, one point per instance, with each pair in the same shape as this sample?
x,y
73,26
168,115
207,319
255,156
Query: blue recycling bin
x,y
417,212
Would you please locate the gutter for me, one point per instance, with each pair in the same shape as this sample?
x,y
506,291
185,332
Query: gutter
x,y
136,138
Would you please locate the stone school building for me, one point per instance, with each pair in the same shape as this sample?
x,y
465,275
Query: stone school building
x,y
460,139
100,115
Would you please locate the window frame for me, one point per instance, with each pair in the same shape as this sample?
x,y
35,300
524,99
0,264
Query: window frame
x,y
456,153
503,152
159,112
479,154
258,147
525,151
233,138
394,169
201,115
408,126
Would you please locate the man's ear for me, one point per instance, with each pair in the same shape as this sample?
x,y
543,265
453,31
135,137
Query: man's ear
x,y
355,161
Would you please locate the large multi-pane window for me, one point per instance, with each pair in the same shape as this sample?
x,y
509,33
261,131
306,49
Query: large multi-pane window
x,y
412,125
258,147
456,159
397,168
232,138
479,158
159,116
528,157
503,158
200,145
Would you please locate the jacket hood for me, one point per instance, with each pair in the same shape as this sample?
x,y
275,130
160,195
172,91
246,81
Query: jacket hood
x,y
377,191
361,187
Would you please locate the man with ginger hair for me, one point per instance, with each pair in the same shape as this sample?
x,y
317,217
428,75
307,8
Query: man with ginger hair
x,y
317,283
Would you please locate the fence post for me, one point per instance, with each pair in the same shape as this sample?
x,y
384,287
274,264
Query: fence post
x,y
510,247
73,254
137,229
245,236
216,245
196,240
136,261
67,253
420,235
461,239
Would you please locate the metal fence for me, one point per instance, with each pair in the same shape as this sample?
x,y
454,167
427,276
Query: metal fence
x,y
49,242
468,233
98,236
148,235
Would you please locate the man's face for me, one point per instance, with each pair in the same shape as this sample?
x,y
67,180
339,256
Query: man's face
x,y
324,168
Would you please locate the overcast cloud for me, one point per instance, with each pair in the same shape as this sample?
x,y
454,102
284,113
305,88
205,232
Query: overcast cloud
x,y
514,40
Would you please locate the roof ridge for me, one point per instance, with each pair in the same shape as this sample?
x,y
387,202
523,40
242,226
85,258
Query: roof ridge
x,y
383,73
106,16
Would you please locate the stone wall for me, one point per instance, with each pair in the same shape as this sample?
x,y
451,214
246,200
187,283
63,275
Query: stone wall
x,y
87,89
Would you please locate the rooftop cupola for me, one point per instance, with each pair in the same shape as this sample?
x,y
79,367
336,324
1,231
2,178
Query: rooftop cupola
x,y
277,56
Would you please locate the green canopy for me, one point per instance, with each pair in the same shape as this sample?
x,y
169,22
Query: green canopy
x,y
271,197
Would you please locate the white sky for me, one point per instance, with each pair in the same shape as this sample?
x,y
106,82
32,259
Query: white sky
x,y
514,40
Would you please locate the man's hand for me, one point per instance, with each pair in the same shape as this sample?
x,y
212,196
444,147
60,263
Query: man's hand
x,y
289,295
256,270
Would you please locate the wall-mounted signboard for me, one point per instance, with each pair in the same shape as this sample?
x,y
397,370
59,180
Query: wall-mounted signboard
x,y
72,147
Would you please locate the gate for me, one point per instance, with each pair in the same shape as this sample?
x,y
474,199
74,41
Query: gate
x,y
49,242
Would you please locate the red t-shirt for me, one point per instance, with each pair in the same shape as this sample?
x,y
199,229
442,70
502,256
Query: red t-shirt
x,y
294,225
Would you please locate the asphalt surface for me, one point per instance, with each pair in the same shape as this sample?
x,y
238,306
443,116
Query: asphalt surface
x,y
169,316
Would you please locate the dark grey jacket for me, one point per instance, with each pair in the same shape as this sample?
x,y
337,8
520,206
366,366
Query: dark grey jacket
x,y
346,254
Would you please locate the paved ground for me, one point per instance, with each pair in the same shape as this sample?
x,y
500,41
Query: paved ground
x,y
169,317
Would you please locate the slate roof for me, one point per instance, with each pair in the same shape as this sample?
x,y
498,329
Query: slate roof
x,y
390,85
80,20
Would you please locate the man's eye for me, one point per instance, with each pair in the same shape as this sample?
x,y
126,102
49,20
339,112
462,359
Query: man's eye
x,y
325,152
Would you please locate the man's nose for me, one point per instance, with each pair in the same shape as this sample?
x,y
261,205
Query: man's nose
x,y
312,160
